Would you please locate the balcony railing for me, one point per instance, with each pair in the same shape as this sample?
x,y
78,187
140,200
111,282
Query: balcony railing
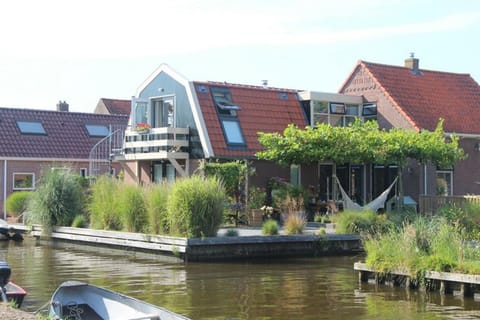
x,y
157,143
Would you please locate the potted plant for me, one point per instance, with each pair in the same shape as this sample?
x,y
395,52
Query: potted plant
x,y
142,127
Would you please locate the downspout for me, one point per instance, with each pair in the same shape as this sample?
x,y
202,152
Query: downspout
x,y
425,179
5,189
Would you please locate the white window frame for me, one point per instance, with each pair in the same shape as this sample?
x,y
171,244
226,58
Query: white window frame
x,y
448,173
84,171
23,173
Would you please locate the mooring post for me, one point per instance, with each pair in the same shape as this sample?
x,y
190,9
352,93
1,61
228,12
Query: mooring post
x,y
442,287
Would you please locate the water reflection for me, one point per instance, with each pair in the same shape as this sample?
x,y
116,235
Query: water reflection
x,y
320,288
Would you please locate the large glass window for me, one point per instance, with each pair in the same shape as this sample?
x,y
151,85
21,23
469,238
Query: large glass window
x,y
141,112
23,181
163,112
31,127
334,113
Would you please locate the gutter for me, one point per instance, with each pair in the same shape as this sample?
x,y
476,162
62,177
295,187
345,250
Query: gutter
x,y
5,190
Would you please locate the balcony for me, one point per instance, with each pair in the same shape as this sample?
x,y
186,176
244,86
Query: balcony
x,y
156,144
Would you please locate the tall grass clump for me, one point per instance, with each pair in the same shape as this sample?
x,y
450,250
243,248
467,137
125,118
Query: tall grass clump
x,y
270,228
195,207
156,198
102,205
421,245
17,203
295,223
131,207
57,200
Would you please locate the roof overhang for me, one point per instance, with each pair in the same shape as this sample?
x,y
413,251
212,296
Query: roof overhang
x,y
331,97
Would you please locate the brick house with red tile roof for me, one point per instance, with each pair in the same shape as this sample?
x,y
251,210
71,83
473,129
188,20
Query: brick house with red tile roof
x,y
113,106
195,120
414,98
33,139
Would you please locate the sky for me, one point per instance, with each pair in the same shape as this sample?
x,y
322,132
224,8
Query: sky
x,y
81,51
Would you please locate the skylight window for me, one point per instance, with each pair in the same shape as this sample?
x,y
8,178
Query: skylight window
x,y
96,130
224,102
232,131
31,127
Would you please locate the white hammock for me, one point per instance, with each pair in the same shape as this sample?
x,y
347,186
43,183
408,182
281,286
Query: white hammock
x,y
374,205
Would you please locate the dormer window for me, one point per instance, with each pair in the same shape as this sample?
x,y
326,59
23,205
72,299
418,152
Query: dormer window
x,y
31,127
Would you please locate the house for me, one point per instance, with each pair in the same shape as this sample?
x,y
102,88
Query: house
x,y
113,106
193,121
413,98
33,139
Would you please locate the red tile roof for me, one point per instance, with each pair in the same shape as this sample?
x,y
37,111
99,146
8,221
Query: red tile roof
x,y
66,136
431,95
117,106
262,109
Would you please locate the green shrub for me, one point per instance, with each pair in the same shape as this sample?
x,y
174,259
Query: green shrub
x,y
270,228
102,205
355,222
231,233
156,197
57,200
295,223
17,202
131,207
79,221
195,206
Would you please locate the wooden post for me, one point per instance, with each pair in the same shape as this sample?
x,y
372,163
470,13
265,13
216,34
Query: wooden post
x,y
442,287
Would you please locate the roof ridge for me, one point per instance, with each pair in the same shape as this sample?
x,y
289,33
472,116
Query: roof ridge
x,y
247,86
57,112
423,70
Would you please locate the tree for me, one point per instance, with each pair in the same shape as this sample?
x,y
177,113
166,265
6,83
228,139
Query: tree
x,y
361,143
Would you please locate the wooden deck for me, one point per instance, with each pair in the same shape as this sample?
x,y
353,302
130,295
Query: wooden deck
x,y
445,282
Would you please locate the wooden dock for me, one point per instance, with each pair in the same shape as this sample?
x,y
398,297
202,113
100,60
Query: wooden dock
x,y
458,284
210,248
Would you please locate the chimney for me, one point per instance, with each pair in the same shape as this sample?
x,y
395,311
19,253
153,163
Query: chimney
x,y
62,106
265,83
412,63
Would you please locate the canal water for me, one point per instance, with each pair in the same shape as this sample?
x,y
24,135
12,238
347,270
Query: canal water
x,y
313,288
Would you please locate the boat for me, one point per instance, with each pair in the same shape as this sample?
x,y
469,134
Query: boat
x,y
4,230
79,300
9,291
7,232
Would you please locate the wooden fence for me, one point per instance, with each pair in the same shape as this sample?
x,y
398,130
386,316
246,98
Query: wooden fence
x,y
430,204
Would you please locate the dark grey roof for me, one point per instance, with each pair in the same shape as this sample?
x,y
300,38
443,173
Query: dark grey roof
x,y
66,135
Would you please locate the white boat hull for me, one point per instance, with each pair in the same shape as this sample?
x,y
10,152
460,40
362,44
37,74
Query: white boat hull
x,y
75,300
